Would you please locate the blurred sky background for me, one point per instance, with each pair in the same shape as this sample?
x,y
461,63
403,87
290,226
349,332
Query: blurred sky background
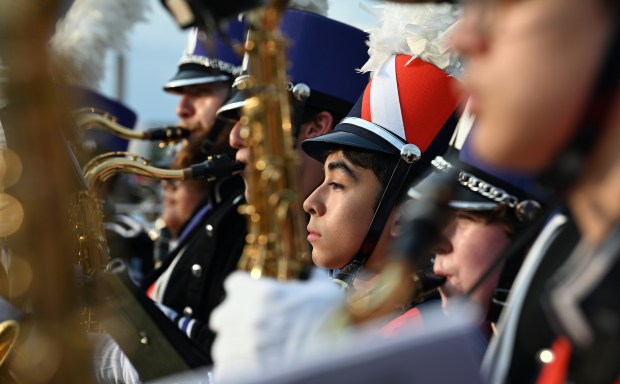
x,y
155,47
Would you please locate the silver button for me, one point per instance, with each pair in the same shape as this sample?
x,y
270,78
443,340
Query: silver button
x,y
545,356
209,229
144,339
196,270
187,311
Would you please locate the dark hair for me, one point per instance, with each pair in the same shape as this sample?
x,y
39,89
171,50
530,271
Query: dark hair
x,y
502,215
381,165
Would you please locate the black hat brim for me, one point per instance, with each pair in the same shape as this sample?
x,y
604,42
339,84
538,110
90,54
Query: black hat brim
x,y
463,198
231,109
318,147
188,76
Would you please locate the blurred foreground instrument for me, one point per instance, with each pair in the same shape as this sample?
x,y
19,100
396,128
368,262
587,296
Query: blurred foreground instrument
x,y
33,122
407,278
276,245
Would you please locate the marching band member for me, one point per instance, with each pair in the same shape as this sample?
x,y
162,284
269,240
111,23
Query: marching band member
x,y
201,215
324,55
550,107
488,210
404,118
362,162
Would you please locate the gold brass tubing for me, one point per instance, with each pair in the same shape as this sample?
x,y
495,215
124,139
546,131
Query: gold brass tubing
x,y
9,330
91,118
106,165
275,244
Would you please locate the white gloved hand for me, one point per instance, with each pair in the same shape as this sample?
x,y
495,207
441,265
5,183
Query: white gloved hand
x,y
266,322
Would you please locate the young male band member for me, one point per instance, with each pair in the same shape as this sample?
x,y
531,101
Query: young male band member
x,y
405,117
208,232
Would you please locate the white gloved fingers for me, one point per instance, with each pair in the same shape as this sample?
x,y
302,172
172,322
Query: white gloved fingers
x,y
265,322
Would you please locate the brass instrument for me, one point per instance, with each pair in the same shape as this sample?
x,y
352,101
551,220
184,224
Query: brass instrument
x,y
275,244
106,165
9,331
43,241
86,213
91,118
405,279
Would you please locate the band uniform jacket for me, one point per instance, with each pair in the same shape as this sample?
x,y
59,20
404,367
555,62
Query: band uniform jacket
x,y
206,257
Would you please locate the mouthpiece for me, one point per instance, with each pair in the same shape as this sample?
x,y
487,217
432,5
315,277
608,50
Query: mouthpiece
x,y
425,282
215,167
166,134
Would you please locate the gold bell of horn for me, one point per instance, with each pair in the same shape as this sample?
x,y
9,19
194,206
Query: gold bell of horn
x,y
9,331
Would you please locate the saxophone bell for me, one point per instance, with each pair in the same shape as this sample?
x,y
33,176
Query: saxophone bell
x,y
9,331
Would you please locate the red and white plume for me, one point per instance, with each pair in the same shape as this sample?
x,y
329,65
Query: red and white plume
x,y
90,29
418,30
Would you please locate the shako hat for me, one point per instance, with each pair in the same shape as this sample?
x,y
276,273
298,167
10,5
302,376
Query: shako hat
x,y
408,101
208,59
408,110
478,186
323,56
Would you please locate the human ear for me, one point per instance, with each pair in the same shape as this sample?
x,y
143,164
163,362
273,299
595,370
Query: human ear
x,y
320,125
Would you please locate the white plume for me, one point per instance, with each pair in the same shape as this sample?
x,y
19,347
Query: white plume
x,y
90,29
316,6
418,30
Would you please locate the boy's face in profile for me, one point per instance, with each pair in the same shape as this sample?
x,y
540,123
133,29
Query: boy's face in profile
x,y
341,210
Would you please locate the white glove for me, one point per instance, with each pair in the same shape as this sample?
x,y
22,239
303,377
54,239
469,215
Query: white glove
x,y
266,322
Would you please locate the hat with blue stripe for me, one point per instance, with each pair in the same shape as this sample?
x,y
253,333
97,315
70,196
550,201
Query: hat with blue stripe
x,y
408,111
324,55
208,59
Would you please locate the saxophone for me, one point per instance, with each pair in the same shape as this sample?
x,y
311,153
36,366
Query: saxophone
x,y
91,118
275,244
43,242
104,166
86,213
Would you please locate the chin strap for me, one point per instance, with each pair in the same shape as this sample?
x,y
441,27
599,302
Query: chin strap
x,y
564,171
347,274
